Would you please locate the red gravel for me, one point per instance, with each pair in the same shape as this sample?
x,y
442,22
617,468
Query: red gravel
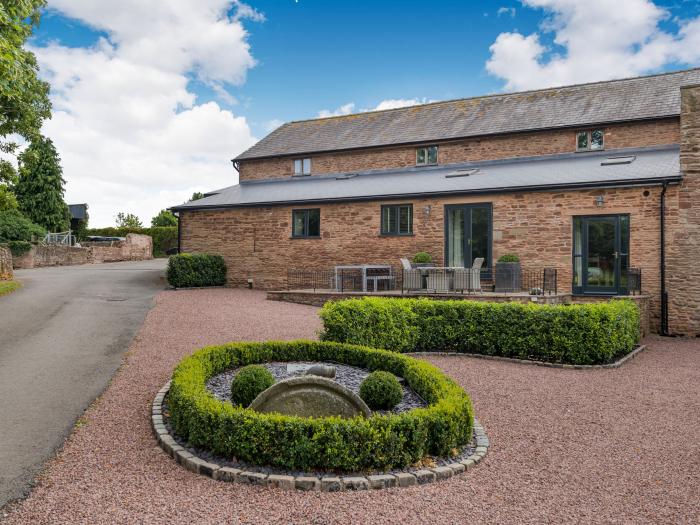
x,y
566,446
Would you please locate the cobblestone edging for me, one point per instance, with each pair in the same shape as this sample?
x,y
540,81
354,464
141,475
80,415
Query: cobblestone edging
x,y
310,482
614,364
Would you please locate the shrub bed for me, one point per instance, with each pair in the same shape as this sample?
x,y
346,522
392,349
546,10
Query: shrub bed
x,y
575,334
330,443
196,269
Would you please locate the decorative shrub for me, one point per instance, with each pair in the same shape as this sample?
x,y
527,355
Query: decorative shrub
x,y
19,248
196,269
381,390
14,226
508,258
329,443
164,237
577,334
250,381
422,258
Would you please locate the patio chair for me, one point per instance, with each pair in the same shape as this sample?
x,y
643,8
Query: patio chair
x,y
469,278
412,277
439,280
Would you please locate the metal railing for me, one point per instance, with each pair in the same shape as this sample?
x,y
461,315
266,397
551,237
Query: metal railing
x,y
634,281
346,280
60,238
542,281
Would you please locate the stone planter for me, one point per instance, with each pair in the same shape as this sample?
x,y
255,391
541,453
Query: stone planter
x,y
507,278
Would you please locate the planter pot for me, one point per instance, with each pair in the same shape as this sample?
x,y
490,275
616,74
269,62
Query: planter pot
x,y
507,277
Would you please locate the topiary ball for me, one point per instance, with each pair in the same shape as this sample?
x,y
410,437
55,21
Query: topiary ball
x,y
250,381
381,390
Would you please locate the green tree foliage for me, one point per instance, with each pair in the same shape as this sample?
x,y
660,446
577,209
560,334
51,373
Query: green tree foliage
x,y
197,195
128,220
8,201
8,177
39,187
24,99
164,218
16,227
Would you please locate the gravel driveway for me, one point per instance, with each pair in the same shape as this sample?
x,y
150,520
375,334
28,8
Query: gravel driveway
x,y
566,446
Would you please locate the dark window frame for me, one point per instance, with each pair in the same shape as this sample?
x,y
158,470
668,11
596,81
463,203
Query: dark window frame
x,y
305,233
589,133
397,233
426,148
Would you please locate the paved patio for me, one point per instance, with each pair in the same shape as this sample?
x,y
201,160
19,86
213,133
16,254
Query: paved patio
x,y
567,446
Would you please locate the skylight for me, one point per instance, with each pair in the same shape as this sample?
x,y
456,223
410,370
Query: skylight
x,y
462,172
612,161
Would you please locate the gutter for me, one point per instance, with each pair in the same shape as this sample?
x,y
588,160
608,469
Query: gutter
x,y
662,261
451,193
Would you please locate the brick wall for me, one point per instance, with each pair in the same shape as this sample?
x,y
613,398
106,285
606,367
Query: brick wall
x,y
256,242
683,240
641,134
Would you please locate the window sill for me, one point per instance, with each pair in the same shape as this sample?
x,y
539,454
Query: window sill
x,y
303,238
397,235
426,165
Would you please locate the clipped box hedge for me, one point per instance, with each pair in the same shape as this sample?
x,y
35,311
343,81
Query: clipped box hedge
x,y
575,334
329,443
188,270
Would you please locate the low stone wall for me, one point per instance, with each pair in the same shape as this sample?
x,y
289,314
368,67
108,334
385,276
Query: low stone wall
x,y
5,264
136,247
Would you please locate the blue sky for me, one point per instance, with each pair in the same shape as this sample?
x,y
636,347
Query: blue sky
x,y
305,58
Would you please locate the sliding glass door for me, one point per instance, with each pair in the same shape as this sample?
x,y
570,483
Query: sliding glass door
x,y
601,254
467,234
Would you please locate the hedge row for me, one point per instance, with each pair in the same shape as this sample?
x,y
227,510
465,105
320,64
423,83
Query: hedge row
x,y
576,334
330,443
164,237
196,269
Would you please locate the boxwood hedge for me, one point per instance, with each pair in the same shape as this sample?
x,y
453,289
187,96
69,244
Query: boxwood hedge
x,y
576,334
196,269
329,443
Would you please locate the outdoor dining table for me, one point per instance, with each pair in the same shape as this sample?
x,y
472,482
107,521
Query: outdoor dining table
x,y
363,269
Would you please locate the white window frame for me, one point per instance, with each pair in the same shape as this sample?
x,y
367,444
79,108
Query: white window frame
x,y
302,167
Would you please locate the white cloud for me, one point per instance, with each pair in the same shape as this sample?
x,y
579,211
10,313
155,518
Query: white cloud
x,y
272,125
131,133
390,103
509,11
595,43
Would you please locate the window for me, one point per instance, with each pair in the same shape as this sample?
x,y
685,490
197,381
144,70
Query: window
x,y
397,219
306,223
591,140
302,167
427,156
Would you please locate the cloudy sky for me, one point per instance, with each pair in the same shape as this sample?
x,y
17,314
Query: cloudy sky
x,y
152,98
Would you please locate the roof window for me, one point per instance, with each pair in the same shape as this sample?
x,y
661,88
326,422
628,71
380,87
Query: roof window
x,y
612,161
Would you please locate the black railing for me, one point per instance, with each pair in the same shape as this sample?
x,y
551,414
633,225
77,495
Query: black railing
x,y
342,280
634,281
541,281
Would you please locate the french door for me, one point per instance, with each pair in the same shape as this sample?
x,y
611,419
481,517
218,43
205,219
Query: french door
x,y
467,234
601,254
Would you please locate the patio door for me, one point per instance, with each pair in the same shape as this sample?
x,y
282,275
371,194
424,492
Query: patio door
x,y
601,254
467,234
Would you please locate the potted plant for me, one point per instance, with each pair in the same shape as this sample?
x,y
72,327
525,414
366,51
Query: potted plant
x,y
508,273
423,260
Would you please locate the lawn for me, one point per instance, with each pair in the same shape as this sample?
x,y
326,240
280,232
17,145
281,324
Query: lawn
x,y
8,287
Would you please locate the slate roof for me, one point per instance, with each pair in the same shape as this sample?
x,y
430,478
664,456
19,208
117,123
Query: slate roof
x,y
564,171
580,105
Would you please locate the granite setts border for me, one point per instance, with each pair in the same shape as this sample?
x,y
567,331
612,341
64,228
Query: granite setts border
x,y
614,364
310,482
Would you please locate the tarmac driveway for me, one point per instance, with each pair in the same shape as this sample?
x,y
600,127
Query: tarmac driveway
x,y
62,337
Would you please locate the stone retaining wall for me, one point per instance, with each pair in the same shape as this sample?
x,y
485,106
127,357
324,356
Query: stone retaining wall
x,y
5,264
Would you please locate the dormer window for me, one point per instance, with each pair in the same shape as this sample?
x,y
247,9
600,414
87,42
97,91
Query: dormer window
x,y
302,167
426,156
591,140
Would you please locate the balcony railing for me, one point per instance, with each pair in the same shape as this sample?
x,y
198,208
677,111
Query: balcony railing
x,y
542,281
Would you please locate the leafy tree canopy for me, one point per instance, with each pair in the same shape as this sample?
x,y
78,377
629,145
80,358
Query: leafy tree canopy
x,y
197,195
16,227
24,99
39,187
8,177
8,201
128,220
164,218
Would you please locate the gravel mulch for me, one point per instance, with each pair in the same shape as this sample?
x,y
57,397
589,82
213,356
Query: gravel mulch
x,y
593,446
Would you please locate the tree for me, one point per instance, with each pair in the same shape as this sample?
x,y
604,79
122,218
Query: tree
x,y
8,177
128,220
197,195
164,218
24,99
39,189
16,227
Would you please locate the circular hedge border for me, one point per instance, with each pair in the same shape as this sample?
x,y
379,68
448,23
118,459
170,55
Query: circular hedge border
x,y
380,442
